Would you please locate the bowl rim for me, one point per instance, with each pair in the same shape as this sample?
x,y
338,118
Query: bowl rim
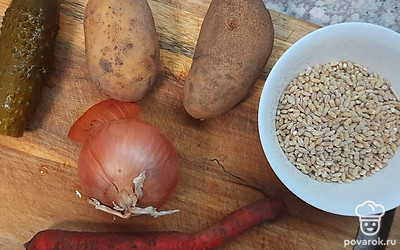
x,y
274,163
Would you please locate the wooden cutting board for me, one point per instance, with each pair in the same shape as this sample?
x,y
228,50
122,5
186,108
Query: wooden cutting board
x,y
38,172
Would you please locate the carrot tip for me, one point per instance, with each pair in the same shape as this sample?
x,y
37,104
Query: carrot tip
x,y
26,244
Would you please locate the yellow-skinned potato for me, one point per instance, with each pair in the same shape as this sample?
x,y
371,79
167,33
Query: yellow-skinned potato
x,y
122,50
234,44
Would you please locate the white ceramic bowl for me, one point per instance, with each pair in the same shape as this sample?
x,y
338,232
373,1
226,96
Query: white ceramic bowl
x,y
372,46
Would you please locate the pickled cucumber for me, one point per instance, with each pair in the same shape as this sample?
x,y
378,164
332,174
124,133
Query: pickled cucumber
x,y
27,40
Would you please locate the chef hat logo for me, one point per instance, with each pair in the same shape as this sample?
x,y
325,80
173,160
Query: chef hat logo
x,y
370,209
370,215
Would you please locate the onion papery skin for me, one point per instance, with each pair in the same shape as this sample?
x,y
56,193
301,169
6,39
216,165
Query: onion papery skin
x,y
99,114
117,152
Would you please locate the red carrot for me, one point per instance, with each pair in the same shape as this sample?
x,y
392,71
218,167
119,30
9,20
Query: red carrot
x,y
220,233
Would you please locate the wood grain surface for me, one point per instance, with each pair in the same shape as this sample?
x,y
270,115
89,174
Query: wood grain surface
x,y
38,172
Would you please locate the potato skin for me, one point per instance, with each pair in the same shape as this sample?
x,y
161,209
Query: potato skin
x,y
234,44
122,49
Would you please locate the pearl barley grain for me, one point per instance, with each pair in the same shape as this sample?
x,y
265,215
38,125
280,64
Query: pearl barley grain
x,y
338,122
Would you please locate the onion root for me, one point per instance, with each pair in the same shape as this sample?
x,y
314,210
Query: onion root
x,y
126,207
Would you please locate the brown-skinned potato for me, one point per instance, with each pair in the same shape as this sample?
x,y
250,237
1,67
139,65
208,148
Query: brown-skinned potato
x,y
234,45
122,50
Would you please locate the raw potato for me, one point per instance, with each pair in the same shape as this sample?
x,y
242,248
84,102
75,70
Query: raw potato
x,y
234,44
122,48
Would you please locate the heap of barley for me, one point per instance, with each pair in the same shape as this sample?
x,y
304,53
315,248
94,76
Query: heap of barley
x,y
338,122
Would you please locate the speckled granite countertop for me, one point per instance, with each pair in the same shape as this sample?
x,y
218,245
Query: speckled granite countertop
x,y
324,12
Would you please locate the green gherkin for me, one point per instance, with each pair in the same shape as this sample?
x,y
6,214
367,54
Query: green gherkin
x,y
27,42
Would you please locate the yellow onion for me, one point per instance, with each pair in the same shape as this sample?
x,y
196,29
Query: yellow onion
x,y
117,152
